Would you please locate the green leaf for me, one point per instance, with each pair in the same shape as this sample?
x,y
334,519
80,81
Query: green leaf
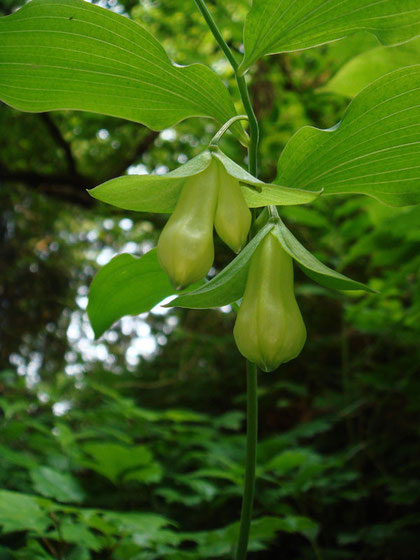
x,y
69,54
127,285
291,459
77,533
118,462
19,512
228,286
311,266
274,26
375,150
53,484
368,66
150,193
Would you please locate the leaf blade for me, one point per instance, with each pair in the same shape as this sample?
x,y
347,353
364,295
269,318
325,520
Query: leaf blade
x,y
69,54
375,149
127,285
363,69
274,26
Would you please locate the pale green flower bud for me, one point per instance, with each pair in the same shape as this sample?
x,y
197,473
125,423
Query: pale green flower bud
x,y
185,247
269,328
233,217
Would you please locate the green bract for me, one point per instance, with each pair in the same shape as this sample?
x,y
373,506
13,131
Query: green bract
x,y
269,328
160,193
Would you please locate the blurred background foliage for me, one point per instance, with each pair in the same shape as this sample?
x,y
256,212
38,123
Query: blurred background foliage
x,y
132,447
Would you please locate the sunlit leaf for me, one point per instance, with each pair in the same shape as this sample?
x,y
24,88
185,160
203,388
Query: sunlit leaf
x,y
69,54
368,66
375,150
274,26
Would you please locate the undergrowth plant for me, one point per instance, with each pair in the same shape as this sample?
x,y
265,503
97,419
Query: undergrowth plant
x,y
70,54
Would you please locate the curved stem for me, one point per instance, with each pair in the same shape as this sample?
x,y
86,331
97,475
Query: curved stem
x,y
216,138
251,458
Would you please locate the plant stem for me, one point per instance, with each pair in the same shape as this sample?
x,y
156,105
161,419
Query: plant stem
x,y
217,137
253,126
243,89
251,369
216,33
251,458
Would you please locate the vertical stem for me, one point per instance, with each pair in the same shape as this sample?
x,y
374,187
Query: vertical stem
x,y
253,126
251,458
251,369
243,90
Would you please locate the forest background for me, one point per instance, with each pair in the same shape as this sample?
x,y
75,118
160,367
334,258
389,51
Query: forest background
x,y
132,447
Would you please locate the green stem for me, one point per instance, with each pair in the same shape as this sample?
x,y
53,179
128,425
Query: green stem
x,y
253,126
217,137
216,33
251,369
243,89
251,459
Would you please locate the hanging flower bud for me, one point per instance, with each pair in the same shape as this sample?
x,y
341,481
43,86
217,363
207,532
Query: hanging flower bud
x,y
185,247
233,217
269,328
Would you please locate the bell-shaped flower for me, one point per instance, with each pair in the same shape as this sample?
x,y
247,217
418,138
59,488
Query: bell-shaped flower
x,y
269,329
185,247
233,217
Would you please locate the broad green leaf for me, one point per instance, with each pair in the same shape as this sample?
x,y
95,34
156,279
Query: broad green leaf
x,y
375,150
159,193
20,512
127,285
311,266
114,461
274,26
69,54
368,66
61,486
229,285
